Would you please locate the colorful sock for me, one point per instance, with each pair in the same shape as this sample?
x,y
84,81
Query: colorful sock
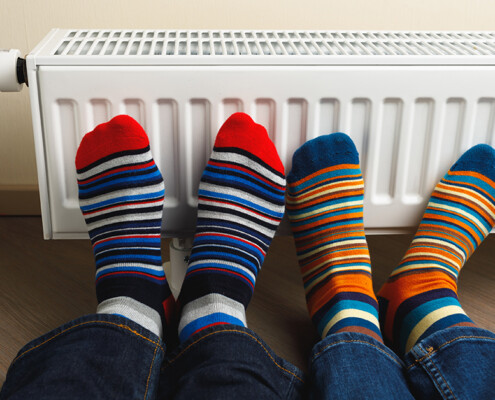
x,y
241,203
325,208
121,197
420,297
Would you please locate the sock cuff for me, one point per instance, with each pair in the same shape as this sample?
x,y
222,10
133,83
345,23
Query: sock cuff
x,y
133,310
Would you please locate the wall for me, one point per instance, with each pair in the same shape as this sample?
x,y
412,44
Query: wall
x,y
23,23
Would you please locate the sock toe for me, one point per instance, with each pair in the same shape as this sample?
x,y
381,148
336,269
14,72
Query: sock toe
x,y
240,131
121,133
480,159
323,152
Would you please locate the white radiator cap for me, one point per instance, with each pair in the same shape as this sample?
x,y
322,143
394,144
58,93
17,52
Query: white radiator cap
x,y
8,71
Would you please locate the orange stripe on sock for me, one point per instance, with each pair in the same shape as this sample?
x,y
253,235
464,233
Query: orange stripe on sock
x,y
303,245
342,216
453,236
330,230
458,199
322,172
456,223
333,198
476,175
359,283
325,221
407,286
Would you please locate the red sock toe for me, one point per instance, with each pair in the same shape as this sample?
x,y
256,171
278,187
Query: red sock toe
x,y
121,133
242,132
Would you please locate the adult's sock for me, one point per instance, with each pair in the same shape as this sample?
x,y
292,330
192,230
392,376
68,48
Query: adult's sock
x,y
121,195
241,203
325,208
420,296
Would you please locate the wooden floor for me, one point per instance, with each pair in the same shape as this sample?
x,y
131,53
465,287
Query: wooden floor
x,y
46,283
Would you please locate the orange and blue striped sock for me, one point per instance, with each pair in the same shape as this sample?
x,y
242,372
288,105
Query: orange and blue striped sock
x,y
241,201
420,296
325,208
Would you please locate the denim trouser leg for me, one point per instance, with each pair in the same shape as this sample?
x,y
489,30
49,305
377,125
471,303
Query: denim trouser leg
x,y
228,362
110,357
98,356
454,363
351,365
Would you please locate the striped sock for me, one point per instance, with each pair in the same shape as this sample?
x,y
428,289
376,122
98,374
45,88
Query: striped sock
x,y
121,197
241,203
325,208
420,296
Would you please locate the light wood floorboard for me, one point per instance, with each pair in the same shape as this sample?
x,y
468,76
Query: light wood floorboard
x,y
46,283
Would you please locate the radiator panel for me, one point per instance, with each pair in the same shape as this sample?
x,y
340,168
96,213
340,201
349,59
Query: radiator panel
x,y
409,125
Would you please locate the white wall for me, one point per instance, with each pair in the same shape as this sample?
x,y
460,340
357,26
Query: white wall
x,y
23,23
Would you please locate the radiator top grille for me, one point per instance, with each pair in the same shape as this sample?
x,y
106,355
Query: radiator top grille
x,y
171,43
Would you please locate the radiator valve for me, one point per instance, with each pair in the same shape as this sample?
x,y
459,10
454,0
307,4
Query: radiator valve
x,y
12,71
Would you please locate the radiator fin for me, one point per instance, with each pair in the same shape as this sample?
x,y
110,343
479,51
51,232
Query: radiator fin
x,y
166,136
484,131
419,146
388,134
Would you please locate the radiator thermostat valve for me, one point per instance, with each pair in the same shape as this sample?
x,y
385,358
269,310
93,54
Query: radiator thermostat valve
x,y
12,70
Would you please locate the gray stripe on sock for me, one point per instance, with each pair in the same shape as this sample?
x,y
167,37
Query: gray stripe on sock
x,y
209,304
116,162
243,160
136,311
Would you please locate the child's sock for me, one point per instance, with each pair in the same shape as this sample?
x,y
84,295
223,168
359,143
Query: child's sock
x,y
121,197
241,203
325,208
420,297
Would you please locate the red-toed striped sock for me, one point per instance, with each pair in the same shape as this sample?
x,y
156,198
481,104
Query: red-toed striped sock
x,y
121,197
241,203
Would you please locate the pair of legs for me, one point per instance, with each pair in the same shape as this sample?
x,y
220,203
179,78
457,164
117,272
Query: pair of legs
x,y
416,313
120,351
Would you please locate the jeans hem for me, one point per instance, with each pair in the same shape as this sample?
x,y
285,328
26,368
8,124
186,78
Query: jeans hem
x,y
353,338
110,321
284,366
429,357
436,342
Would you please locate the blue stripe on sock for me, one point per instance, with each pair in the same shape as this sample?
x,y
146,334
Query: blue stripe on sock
x,y
202,322
116,174
239,200
444,323
121,183
418,313
354,321
211,264
124,199
130,269
343,305
337,173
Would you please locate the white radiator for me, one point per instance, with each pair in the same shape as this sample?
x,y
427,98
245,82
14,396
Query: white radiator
x,y
411,101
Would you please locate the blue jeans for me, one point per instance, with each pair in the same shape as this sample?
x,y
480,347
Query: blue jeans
x,y
110,357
